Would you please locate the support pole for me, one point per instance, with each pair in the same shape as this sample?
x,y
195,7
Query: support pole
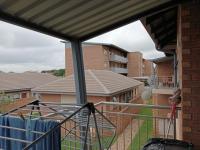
x,y
79,74
175,70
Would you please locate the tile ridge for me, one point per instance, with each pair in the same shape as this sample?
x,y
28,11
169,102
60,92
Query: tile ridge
x,y
100,83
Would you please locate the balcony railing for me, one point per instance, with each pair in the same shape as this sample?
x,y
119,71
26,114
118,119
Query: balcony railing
x,y
164,82
136,123
119,70
118,58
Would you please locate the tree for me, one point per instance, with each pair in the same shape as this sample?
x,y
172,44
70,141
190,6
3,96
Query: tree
x,y
60,72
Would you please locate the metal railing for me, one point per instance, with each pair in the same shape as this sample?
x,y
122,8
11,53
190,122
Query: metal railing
x,y
119,70
165,81
118,58
136,123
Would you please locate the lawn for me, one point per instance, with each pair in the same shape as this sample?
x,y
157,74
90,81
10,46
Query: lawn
x,y
69,145
144,132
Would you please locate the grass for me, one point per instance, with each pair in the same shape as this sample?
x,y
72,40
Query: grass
x,y
145,131
69,145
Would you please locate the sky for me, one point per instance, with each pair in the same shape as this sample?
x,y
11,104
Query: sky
x,y
25,50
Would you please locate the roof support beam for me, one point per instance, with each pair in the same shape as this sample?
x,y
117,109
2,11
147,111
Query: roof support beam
x,y
167,40
79,74
160,27
156,16
167,30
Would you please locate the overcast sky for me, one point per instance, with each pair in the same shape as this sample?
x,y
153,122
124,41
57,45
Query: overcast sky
x,y
23,50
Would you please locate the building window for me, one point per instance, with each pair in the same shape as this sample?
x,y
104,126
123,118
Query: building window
x,y
105,52
16,96
23,95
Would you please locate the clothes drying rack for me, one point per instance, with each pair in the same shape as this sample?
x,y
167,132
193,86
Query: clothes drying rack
x,y
82,127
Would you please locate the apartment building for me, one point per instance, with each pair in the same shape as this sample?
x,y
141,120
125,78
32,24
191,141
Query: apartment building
x,y
103,56
100,56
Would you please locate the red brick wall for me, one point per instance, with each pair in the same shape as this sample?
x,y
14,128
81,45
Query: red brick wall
x,y
134,64
148,68
51,97
165,68
189,62
14,104
93,57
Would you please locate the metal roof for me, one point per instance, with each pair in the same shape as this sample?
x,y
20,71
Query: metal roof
x,y
77,19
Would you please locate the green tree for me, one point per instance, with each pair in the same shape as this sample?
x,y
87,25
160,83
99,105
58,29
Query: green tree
x,y
60,72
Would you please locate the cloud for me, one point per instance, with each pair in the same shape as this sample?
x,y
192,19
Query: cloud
x,y
14,37
22,49
132,37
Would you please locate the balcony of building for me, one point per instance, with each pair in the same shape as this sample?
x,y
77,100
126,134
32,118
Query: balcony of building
x,y
118,58
119,70
109,125
164,85
136,123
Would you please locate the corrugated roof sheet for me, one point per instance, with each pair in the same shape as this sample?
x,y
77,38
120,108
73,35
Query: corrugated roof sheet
x,y
22,81
98,82
80,19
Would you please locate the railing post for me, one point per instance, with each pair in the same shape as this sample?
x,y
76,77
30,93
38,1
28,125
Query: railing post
x,y
174,127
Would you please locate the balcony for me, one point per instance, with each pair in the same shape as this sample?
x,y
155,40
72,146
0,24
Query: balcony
x,y
163,85
108,125
117,58
136,123
165,82
119,70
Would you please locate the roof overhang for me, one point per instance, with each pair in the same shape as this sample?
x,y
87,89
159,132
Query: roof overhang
x,y
88,93
162,27
78,19
162,59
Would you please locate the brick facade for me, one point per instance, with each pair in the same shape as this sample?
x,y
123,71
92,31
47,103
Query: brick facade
x,y
188,52
99,57
93,57
147,67
14,104
165,68
51,97
135,64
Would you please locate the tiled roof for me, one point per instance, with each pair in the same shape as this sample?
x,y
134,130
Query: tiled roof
x,y
98,82
22,81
